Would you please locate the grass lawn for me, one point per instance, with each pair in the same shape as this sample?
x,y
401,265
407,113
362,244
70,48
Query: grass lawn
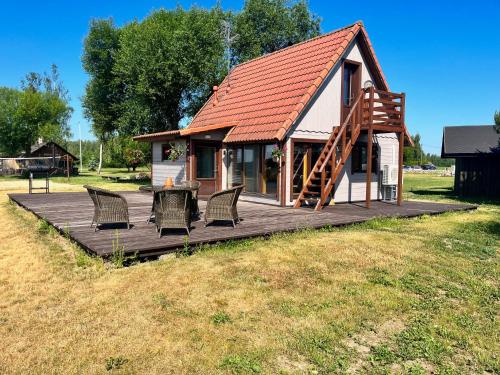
x,y
428,186
388,296
75,183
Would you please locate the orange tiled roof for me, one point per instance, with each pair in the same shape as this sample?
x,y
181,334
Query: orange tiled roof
x,y
264,96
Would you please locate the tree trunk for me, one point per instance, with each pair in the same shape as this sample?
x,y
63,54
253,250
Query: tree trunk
x,y
100,160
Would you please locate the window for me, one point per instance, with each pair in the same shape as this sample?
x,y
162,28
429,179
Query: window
x,y
348,72
165,151
359,158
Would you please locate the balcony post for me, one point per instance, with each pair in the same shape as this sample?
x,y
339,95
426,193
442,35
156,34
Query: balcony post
x,y
400,168
369,167
369,151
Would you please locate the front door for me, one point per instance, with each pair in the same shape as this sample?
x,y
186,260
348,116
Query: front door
x,y
207,166
351,85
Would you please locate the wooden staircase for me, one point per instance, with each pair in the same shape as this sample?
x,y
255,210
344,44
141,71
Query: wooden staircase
x,y
372,110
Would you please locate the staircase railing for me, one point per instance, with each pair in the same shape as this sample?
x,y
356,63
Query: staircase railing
x,y
373,110
336,156
332,155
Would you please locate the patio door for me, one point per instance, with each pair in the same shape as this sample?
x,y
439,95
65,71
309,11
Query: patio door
x,y
207,166
252,165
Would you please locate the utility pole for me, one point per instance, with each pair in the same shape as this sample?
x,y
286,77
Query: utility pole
x,y
80,133
229,38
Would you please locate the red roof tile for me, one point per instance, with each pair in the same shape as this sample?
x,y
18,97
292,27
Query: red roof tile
x,y
265,95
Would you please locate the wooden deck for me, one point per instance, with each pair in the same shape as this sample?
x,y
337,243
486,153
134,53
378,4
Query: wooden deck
x,y
72,213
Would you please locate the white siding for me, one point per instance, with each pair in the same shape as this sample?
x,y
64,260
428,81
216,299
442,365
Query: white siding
x,y
163,169
323,113
352,187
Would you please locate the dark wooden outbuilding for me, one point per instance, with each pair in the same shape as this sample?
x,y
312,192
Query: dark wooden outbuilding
x,y
476,150
62,159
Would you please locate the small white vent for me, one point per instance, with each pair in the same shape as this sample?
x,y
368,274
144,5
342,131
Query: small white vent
x,y
389,174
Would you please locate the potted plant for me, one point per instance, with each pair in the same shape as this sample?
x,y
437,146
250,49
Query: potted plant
x,y
277,153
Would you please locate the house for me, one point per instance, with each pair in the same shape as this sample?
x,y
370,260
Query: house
x,y
297,126
44,157
476,150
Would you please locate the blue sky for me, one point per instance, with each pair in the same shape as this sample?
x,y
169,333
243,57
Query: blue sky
x,y
444,54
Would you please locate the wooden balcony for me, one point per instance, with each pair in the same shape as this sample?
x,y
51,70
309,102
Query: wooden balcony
x,y
383,111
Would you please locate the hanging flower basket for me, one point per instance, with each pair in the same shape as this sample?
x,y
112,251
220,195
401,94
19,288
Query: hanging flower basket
x,y
175,152
277,153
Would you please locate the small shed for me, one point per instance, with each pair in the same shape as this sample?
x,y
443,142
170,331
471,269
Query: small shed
x,y
59,157
47,157
476,150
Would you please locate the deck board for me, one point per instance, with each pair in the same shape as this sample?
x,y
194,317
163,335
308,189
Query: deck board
x,y
72,213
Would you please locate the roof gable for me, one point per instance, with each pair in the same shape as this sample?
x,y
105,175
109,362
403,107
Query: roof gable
x,y
264,96
39,148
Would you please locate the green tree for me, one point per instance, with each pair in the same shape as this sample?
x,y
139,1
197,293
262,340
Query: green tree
x,y
103,92
414,155
265,26
39,109
150,74
90,149
9,131
168,64
496,118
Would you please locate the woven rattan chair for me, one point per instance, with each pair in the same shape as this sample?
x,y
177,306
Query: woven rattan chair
x,y
194,186
109,207
222,206
172,209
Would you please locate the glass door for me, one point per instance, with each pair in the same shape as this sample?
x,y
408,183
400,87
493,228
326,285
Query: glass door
x,y
270,172
254,167
251,168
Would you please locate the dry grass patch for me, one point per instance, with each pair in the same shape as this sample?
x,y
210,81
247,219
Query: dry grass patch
x,y
294,303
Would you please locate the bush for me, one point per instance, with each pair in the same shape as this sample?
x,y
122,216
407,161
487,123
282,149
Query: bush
x,y
93,164
133,158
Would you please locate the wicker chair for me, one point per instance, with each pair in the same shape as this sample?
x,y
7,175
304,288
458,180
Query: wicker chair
x,y
222,206
109,207
194,187
172,209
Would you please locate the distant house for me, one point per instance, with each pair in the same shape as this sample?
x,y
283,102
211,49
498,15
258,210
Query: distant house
x,y
58,157
477,154
274,122
44,157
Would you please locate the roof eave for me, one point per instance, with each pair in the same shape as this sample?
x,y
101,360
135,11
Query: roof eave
x,y
167,135
208,128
